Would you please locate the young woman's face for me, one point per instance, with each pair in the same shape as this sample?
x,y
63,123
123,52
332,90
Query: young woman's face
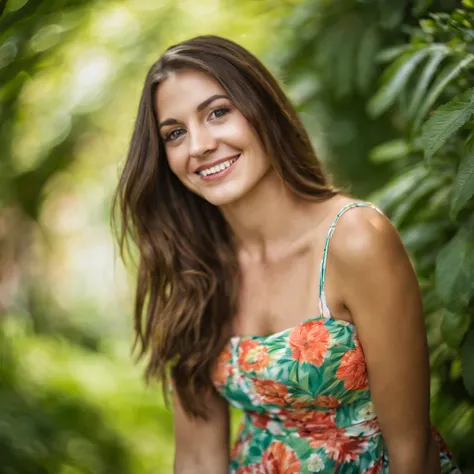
x,y
210,146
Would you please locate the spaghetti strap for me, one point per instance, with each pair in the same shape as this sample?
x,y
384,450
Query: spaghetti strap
x,y
323,307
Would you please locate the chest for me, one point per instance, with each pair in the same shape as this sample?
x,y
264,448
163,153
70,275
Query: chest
x,y
279,295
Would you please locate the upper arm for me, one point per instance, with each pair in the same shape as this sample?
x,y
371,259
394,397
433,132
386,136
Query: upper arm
x,y
382,294
202,445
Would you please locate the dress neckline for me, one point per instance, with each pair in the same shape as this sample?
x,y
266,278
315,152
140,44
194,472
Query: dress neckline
x,y
341,322
325,313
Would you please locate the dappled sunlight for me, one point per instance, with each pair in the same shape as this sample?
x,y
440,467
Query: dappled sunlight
x,y
72,393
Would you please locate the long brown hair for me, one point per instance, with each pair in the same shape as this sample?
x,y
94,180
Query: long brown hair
x,y
188,274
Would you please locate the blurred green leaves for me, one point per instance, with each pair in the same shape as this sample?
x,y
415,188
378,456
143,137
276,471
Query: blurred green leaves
x,y
65,409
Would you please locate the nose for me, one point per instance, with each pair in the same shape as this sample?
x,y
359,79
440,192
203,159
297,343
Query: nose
x,y
201,141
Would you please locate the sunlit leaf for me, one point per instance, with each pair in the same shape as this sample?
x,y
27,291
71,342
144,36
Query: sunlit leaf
x,y
388,93
416,199
449,73
389,151
389,54
396,189
447,120
427,75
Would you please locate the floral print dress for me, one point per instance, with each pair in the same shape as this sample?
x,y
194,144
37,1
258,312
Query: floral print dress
x,y
306,399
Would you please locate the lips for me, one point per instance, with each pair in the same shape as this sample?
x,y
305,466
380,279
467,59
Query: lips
x,y
215,163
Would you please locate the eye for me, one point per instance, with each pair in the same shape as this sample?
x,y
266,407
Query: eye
x,y
219,112
174,134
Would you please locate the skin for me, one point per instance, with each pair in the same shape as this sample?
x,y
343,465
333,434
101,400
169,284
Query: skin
x,y
370,281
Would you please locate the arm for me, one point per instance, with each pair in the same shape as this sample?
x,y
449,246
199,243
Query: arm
x,y
381,292
202,446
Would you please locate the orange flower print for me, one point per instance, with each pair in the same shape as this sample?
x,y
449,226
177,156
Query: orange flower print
x,y
302,401
260,420
309,342
271,392
308,422
322,401
278,458
250,469
253,356
327,401
353,370
338,446
375,468
223,368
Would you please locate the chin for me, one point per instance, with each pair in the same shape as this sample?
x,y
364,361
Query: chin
x,y
225,196
222,199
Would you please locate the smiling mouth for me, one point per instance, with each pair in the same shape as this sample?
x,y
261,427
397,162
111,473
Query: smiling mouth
x,y
218,168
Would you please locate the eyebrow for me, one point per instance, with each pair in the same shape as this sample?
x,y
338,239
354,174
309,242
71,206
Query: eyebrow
x,y
199,108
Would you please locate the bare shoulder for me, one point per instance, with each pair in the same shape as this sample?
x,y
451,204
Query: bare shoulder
x,y
364,236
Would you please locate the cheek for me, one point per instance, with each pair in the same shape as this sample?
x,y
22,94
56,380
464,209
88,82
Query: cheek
x,y
243,130
176,162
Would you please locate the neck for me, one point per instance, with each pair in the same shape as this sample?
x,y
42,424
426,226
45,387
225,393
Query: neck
x,y
268,220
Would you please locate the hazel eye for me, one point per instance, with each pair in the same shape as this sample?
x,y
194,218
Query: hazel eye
x,y
174,134
219,112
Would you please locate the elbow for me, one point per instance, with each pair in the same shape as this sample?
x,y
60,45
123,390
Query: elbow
x,y
188,463
188,466
411,457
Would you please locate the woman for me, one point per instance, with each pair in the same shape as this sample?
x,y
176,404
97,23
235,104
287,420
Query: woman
x,y
233,217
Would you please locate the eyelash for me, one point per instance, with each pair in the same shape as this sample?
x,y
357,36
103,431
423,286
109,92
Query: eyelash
x,y
226,110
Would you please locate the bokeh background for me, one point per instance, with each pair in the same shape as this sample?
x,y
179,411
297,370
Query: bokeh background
x,y
385,89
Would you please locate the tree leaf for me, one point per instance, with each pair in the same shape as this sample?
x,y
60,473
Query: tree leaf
x,y
389,151
391,12
419,236
416,199
467,362
445,121
449,73
420,6
391,53
426,77
368,47
389,92
453,271
345,62
463,188
396,189
454,327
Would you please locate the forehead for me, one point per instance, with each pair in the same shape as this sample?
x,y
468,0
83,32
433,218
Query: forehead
x,y
182,91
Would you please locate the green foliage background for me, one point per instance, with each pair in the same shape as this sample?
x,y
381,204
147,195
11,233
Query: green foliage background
x,y
385,88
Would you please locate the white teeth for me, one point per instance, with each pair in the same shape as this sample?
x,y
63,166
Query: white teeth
x,y
217,168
